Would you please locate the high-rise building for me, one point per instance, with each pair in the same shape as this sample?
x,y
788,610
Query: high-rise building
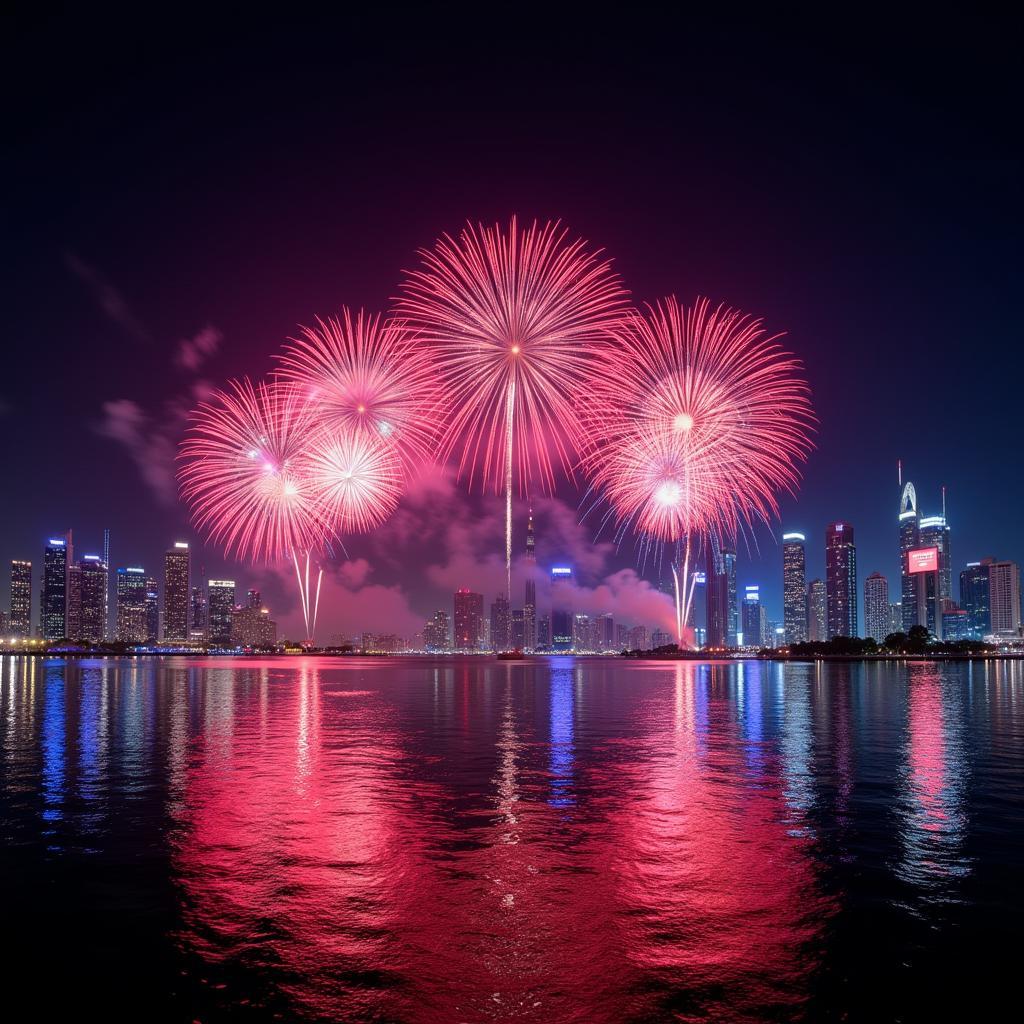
x,y
543,641
197,612
20,621
468,620
933,532
1004,598
606,631
222,612
53,597
817,625
876,607
561,608
721,600
909,540
106,562
896,617
73,621
252,599
132,622
501,623
95,588
754,620
923,565
177,572
794,588
530,596
584,633
152,605
252,626
436,633
840,580
638,639
518,629
974,598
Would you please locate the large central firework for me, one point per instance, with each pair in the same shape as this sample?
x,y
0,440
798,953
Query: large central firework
x,y
512,315
695,420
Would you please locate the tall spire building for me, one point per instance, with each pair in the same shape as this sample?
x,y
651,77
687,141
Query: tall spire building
x,y
910,539
530,596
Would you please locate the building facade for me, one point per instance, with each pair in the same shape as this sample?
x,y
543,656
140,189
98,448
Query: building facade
x,y
19,622
467,620
132,613
53,595
794,588
975,600
177,589
1004,598
817,626
876,607
840,580
222,612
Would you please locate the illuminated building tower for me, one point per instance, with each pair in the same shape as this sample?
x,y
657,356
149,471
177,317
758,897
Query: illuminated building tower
x,y
1004,598
561,608
934,533
518,629
177,572
530,598
840,580
252,599
876,607
197,612
923,566
106,562
974,598
152,605
754,620
794,588
501,635
53,598
543,641
909,540
436,632
721,600
222,612
817,627
468,620
20,621
896,617
132,626
73,623
252,626
606,632
94,586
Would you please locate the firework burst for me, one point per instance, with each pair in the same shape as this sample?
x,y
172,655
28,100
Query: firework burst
x,y
245,474
363,374
512,316
695,421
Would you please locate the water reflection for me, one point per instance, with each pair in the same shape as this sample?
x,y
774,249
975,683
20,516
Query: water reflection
x,y
566,840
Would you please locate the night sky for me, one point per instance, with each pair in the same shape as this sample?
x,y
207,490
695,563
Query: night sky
x,y
181,194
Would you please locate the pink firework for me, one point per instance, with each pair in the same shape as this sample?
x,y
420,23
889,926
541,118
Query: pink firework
x,y
695,421
361,373
357,477
245,472
513,316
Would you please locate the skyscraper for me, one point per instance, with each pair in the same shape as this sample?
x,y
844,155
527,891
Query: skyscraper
x,y
606,631
177,570
721,601
468,620
252,599
1004,598
222,610
152,605
974,598
909,540
73,621
561,608
20,622
132,626
197,611
840,580
876,607
934,532
794,588
436,633
896,617
501,623
53,597
94,586
518,641
530,596
754,620
817,626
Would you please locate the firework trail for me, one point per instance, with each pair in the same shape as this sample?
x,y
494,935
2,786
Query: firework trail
x,y
246,475
512,316
363,374
695,419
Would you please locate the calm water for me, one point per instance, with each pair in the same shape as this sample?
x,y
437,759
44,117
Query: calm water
x,y
567,840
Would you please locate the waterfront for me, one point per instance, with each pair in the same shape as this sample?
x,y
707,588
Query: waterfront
x,y
552,840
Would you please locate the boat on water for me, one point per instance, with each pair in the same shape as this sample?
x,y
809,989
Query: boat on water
x,y
516,655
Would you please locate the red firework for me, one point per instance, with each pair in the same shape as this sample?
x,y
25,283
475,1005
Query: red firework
x,y
362,374
512,316
695,421
246,475
357,478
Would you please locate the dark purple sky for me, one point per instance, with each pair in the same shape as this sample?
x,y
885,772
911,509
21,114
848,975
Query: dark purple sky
x,y
858,188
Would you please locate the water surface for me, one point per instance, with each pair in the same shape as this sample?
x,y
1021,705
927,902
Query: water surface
x,y
585,840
